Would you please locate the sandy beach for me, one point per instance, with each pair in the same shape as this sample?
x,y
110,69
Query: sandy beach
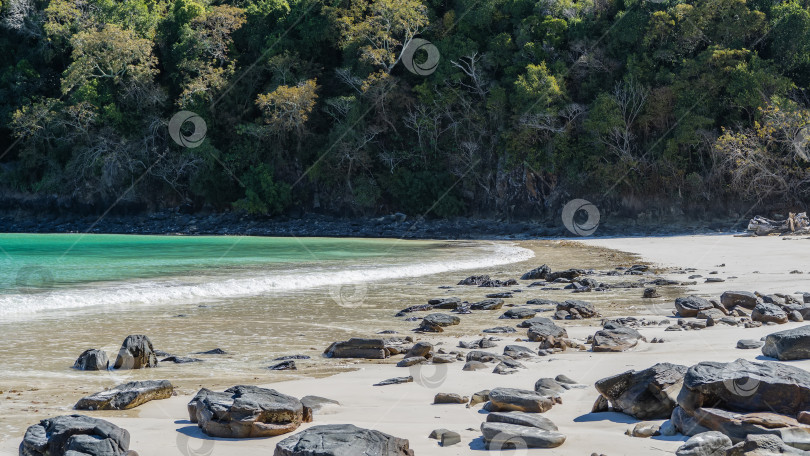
x,y
407,411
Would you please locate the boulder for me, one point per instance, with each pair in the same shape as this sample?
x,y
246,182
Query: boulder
x,y
691,305
487,304
545,329
644,429
483,356
749,344
618,339
92,360
474,366
318,403
450,398
536,273
710,443
342,440
436,321
650,293
577,309
743,386
518,352
763,445
522,419
518,313
484,342
445,303
500,330
127,396
507,366
423,349
357,348
500,436
246,411
450,438
685,424
474,280
494,283
75,435
568,274
766,313
180,360
646,394
713,314
787,345
412,361
395,381
744,299
284,365
512,399
136,352
478,398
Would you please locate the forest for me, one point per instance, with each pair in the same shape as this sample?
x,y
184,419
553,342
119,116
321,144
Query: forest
x,y
339,106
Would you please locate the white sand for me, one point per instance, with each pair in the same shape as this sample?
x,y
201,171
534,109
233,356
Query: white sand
x,y
407,411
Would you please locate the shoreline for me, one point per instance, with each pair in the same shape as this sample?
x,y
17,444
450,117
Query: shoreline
x,y
406,410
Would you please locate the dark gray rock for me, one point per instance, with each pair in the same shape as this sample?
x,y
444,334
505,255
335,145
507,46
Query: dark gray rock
x,y
507,366
500,330
342,440
483,356
518,313
484,342
568,274
577,309
214,351
180,360
357,348
474,366
436,321
420,349
787,345
136,352
487,304
619,339
744,299
710,443
546,330
646,394
92,360
691,305
74,435
766,313
512,399
395,381
501,436
246,411
518,352
763,445
685,423
317,403
749,344
127,396
284,365
536,273
522,419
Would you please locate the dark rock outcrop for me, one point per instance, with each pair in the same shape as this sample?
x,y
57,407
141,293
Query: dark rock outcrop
x,y
127,396
646,394
246,411
786,345
92,360
342,440
75,435
136,352
691,305
357,348
512,399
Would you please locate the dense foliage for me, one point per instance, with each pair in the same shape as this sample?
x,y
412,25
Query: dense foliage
x,y
681,103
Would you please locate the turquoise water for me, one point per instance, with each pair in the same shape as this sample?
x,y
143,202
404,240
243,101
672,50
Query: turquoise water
x,y
30,261
41,273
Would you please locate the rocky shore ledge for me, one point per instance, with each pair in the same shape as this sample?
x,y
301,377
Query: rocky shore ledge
x,y
398,225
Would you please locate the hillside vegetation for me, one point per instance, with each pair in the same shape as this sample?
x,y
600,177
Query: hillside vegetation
x,y
308,104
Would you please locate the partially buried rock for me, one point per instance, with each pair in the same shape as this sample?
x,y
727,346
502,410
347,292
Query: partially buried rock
x,y
284,365
646,394
761,445
545,330
616,339
644,429
420,349
92,360
180,360
518,352
487,304
577,310
787,345
710,443
450,398
650,293
518,313
507,366
136,352
766,313
75,435
500,330
474,366
127,396
484,342
501,436
744,299
342,440
513,399
246,411
318,403
522,419
436,321
691,305
749,344
214,351
536,273
474,280
412,361
395,381
357,348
